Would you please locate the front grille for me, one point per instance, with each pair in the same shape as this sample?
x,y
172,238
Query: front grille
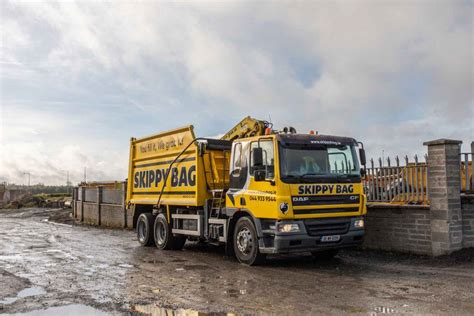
x,y
300,200
320,227
325,210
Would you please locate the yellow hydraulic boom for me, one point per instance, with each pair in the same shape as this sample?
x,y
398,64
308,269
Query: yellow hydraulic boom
x,y
248,127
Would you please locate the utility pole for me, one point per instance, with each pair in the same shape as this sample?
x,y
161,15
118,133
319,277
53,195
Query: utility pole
x,y
68,183
29,176
67,180
85,174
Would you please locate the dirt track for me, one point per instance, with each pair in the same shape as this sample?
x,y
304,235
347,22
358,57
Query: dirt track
x,y
106,270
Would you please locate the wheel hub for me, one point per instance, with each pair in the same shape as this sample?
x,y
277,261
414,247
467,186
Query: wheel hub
x,y
160,233
244,240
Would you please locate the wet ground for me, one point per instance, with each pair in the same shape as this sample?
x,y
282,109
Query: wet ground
x,y
50,268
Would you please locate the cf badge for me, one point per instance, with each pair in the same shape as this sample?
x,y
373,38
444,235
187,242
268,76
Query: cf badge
x,y
284,207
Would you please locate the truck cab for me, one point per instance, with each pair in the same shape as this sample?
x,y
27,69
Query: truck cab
x,y
303,192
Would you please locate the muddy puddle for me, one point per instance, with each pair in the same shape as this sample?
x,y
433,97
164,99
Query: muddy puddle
x,y
154,310
31,291
70,310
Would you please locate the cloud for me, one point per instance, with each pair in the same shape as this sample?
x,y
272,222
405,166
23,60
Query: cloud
x,y
48,145
78,79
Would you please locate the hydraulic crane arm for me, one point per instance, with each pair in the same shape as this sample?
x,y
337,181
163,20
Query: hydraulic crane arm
x,y
248,127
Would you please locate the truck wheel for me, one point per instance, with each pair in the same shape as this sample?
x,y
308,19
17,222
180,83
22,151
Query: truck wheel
x,y
144,229
246,242
164,239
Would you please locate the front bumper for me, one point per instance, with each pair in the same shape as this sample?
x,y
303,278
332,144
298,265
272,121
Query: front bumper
x,y
281,243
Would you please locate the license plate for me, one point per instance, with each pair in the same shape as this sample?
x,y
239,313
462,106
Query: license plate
x,y
331,238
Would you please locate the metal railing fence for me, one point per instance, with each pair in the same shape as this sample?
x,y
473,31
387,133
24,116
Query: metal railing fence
x,y
396,183
466,172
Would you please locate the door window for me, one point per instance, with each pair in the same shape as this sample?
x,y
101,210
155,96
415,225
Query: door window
x,y
239,170
237,159
268,157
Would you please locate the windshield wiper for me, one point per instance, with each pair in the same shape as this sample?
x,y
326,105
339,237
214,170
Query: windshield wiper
x,y
311,175
317,175
340,175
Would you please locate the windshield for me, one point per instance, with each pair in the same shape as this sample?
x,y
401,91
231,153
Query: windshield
x,y
322,161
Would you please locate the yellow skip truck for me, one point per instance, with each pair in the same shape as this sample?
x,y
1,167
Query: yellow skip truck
x,y
257,190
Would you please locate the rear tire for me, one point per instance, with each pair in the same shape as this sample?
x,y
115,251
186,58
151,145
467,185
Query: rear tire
x,y
246,243
145,229
163,236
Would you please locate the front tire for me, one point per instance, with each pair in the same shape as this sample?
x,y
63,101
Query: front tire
x,y
145,229
246,243
163,236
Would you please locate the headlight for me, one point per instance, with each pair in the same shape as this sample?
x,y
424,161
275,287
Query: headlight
x,y
288,228
359,223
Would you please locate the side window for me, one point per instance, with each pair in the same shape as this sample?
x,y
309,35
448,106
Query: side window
x,y
237,159
268,157
244,155
239,172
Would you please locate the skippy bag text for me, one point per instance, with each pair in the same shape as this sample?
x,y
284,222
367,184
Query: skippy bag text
x,y
178,177
325,188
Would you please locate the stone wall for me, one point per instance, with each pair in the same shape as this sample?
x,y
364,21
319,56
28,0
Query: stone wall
x,y
444,195
402,228
445,226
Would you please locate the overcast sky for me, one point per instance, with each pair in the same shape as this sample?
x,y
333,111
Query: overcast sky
x,y
79,79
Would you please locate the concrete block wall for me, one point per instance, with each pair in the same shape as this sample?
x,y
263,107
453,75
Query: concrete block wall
x,y
129,215
467,207
112,216
112,196
2,193
109,215
92,206
91,214
401,228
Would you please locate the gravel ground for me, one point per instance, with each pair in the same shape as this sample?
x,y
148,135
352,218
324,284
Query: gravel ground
x,y
62,268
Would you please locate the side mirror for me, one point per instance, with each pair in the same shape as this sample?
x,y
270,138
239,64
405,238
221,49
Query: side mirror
x,y
257,157
259,175
363,161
